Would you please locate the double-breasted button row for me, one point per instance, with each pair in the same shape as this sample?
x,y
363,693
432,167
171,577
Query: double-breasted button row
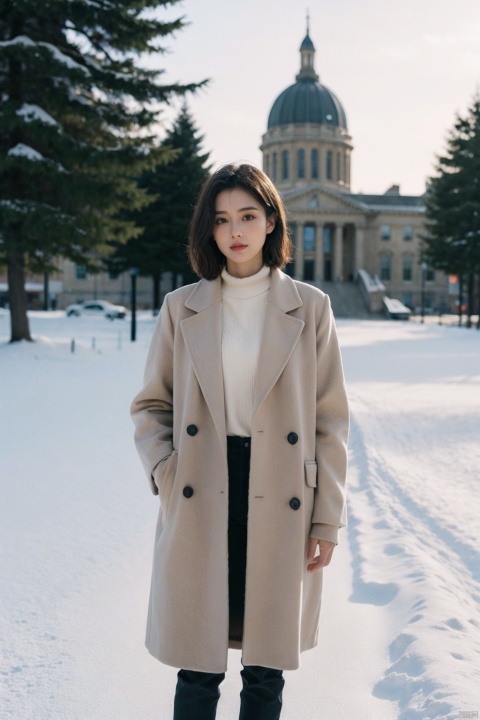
x,y
295,503
192,430
292,438
188,491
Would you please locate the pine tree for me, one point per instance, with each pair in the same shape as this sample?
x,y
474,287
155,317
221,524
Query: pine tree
x,y
452,242
161,246
75,126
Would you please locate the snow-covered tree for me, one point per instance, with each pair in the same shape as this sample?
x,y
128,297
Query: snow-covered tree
x,y
161,245
76,116
452,241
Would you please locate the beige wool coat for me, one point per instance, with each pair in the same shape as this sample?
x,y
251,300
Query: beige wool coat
x,y
298,453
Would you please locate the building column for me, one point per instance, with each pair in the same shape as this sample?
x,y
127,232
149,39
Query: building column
x,y
319,253
299,253
337,253
359,236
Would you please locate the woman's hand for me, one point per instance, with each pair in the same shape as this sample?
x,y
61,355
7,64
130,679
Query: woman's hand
x,y
323,558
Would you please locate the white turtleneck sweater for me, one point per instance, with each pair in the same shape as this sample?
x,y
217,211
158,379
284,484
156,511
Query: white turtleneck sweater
x,y
243,315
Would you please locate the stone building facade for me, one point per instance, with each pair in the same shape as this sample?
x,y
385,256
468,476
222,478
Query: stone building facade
x,y
307,152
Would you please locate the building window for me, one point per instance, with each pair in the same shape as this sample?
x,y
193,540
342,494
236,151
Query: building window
x,y
285,158
385,268
80,272
328,168
314,164
267,164
275,166
430,275
407,268
385,232
339,167
309,270
327,240
408,233
309,237
301,163
407,300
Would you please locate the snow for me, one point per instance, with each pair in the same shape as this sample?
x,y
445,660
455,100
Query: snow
x,y
33,112
59,56
22,150
400,628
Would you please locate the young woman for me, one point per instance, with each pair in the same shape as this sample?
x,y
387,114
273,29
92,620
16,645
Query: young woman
x,y
242,427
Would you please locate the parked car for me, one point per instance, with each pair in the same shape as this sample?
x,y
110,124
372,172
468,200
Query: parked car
x,y
97,308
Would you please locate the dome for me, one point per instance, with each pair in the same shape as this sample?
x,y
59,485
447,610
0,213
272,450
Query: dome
x,y
307,100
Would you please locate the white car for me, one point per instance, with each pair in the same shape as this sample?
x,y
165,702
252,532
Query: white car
x,y
96,308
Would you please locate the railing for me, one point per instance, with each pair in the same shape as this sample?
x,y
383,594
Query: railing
x,y
373,291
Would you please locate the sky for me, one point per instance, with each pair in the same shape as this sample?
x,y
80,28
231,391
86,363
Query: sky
x,y
402,71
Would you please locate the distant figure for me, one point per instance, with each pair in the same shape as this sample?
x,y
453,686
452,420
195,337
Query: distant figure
x,y
242,429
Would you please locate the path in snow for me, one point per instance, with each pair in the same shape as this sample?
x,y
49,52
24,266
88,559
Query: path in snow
x,y
400,622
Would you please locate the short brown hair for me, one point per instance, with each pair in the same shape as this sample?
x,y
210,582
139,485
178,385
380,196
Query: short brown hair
x,y
204,255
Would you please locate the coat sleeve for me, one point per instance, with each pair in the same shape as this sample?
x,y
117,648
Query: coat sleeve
x,y
332,424
152,408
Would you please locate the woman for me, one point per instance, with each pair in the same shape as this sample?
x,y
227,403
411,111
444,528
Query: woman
x,y
242,428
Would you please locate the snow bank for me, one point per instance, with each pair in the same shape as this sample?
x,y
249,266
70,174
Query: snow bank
x,y
400,629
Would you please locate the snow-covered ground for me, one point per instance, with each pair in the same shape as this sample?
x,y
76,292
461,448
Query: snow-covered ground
x,y
400,631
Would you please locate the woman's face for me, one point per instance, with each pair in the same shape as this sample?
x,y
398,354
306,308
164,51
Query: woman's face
x,y
241,227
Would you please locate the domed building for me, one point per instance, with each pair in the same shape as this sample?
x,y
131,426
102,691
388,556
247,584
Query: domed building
x,y
338,236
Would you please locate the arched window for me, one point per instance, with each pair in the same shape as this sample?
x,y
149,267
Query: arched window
x,y
407,268
328,167
275,166
285,159
385,268
314,164
301,163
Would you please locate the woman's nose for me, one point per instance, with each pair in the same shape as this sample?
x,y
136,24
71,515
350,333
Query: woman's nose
x,y
236,233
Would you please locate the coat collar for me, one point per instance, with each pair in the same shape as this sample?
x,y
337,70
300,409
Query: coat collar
x,y
203,337
283,293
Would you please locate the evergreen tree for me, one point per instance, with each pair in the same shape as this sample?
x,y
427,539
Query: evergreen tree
x,y
452,242
75,125
161,246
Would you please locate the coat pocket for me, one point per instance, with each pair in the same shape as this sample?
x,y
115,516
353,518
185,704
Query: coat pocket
x,y
164,476
311,473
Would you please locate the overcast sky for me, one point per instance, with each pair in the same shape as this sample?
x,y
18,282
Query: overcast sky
x,y
402,70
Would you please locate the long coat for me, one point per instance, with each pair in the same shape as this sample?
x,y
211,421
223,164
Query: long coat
x,y
297,475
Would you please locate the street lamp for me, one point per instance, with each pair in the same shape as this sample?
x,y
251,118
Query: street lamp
x,y
423,267
133,301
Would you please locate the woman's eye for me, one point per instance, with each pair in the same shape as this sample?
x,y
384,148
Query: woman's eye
x,y
249,217
220,221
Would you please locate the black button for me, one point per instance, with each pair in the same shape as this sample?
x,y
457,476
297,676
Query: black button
x,y
192,430
295,503
188,491
292,438
247,444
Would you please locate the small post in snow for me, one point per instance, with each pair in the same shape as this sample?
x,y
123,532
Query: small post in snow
x,y
72,345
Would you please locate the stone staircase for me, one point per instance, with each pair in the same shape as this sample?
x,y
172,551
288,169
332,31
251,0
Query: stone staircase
x,y
347,300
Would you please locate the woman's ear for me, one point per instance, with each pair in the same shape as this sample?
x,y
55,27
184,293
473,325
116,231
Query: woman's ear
x,y
271,221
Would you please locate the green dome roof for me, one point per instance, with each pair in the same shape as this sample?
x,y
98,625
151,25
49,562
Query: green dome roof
x,y
307,100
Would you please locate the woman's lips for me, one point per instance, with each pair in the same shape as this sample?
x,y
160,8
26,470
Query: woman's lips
x,y
238,247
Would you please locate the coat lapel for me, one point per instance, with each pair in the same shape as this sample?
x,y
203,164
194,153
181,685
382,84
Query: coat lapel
x,y
280,335
203,337
202,333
